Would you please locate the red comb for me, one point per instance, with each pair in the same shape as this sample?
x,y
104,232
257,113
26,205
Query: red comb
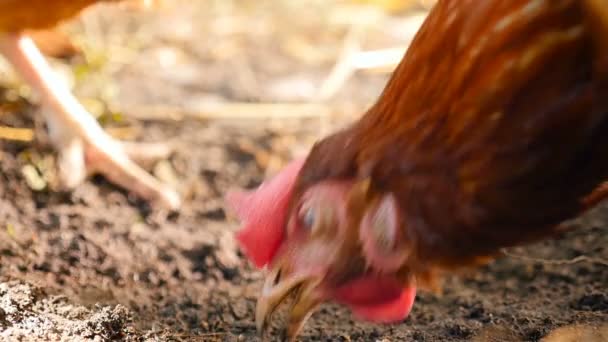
x,y
263,212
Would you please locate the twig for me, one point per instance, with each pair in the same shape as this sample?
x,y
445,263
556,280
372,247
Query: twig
x,y
580,258
343,68
384,59
234,110
201,337
16,134
352,59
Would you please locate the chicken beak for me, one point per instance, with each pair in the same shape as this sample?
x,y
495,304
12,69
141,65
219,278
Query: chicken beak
x,y
276,290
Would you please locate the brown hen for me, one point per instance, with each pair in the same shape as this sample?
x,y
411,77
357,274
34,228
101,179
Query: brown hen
x,y
492,131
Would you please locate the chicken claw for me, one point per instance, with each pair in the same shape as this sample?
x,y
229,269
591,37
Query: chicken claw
x,y
84,147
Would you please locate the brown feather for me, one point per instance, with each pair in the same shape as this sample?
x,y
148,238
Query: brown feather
x,y
492,130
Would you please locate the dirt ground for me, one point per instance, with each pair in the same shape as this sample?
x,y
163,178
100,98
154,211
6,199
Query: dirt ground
x,y
97,264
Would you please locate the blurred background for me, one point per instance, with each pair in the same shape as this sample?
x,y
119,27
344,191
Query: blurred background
x,y
239,88
270,62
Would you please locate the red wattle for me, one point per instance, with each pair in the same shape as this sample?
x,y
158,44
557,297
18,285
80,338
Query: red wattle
x,y
389,312
377,299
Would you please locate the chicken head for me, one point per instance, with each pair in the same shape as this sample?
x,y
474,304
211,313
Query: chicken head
x,y
324,247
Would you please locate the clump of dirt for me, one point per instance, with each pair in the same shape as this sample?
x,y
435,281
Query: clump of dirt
x,y
28,313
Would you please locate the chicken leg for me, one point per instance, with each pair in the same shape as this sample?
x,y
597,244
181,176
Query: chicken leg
x,y
84,147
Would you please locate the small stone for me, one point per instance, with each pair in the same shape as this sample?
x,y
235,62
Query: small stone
x,y
33,179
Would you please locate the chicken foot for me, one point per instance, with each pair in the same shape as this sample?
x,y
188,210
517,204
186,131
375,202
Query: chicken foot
x,y
84,147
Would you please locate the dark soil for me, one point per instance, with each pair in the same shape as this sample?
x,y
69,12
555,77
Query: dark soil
x,y
95,263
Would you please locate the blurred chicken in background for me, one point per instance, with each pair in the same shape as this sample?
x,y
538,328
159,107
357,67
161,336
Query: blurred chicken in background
x,y
83,146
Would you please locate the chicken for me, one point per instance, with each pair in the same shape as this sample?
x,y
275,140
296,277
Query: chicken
x,y
83,146
490,133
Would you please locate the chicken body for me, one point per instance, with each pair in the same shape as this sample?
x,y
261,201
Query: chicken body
x,y
83,146
491,132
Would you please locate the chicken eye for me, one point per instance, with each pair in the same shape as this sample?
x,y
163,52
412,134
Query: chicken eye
x,y
318,219
308,217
